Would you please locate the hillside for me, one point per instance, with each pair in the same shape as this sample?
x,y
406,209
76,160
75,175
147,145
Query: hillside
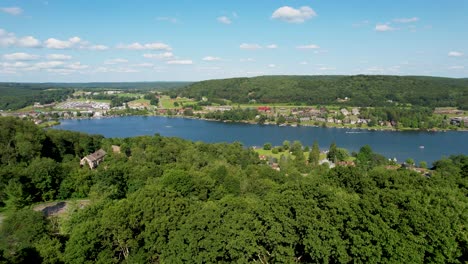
x,y
167,200
362,90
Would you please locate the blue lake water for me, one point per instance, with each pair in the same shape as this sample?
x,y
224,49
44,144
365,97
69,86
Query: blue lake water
x,y
401,145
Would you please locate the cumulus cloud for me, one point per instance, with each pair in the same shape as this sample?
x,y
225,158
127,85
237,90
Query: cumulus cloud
x,y
271,66
455,54
384,28
458,67
406,20
147,46
180,62
58,57
97,47
248,46
272,46
53,43
224,20
72,43
292,15
14,65
211,58
9,39
76,66
28,42
309,46
159,56
20,56
14,10
48,64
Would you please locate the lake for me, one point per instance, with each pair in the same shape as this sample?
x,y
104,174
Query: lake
x,y
421,146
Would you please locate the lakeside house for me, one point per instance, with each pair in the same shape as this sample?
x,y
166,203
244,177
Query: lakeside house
x,y
94,159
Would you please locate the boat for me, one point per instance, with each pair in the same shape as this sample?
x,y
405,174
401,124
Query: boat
x,y
421,147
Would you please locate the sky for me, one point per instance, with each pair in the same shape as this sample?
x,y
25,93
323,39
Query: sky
x,y
192,40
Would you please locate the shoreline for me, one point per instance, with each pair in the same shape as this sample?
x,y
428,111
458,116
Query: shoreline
x,y
382,129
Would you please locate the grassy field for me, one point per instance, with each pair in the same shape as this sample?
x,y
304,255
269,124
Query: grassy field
x,y
137,95
168,103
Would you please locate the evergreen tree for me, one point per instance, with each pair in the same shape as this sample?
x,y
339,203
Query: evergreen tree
x,y
314,155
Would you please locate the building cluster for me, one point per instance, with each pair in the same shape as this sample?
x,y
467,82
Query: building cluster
x,y
84,105
309,114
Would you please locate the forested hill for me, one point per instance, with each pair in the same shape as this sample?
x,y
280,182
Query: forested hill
x,y
363,90
168,200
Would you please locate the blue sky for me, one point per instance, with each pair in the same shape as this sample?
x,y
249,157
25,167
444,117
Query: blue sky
x,y
103,40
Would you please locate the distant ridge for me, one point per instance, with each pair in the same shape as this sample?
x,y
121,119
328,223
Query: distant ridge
x,y
361,90
112,85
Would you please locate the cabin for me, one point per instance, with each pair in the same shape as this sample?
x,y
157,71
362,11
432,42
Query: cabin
x,y
93,159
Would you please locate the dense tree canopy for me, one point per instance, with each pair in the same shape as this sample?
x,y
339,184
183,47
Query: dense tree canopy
x,y
361,90
168,200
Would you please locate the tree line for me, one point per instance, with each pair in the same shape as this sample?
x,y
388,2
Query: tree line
x,y
168,200
359,90
14,96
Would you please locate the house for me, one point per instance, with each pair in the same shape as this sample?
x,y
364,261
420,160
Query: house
x,y
93,159
264,109
344,112
355,111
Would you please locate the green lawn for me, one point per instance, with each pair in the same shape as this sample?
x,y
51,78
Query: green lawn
x,y
138,95
168,103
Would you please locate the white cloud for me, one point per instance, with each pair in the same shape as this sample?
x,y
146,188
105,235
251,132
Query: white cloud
x,y
12,10
58,57
16,65
76,66
97,47
247,46
62,71
180,62
164,55
383,28
310,46
210,58
115,61
28,42
8,39
224,20
458,67
292,15
272,46
455,54
271,66
20,56
406,20
53,43
147,46
303,63
48,64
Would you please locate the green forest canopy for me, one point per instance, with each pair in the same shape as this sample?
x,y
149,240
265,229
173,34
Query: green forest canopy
x,y
15,96
168,200
362,90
